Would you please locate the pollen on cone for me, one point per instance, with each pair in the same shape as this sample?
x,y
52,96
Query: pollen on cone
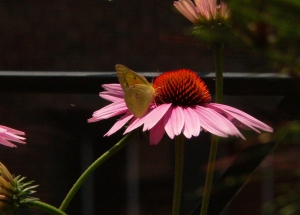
x,y
181,87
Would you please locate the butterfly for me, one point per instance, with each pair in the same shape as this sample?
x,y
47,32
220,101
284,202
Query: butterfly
x,y
138,92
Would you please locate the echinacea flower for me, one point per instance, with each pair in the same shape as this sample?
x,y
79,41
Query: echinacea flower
x,y
181,105
14,193
203,10
9,134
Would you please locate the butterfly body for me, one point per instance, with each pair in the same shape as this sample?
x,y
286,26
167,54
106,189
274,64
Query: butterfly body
x,y
138,92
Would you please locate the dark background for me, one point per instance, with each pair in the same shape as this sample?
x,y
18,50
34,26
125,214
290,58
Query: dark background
x,y
95,35
147,35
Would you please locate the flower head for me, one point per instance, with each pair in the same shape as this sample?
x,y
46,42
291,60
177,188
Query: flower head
x,y
182,105
203,10
9,134
211,20
14,193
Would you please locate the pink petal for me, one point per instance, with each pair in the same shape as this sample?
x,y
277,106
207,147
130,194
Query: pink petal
x,y
157,132
155,115
224,125
166,118
208,123
226,114
188,9
12,137
204,8
213,7
111,97
224,10
114,109
174,121
241,116
138,121
113,87
6,143
9,134
11,130
113,92
191,123
119,124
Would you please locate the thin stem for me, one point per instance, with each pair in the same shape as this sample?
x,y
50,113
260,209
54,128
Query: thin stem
x,y
179,158
214,140
94,166
209,174
46,208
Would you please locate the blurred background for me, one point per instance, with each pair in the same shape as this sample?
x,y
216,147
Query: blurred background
x,y
147,36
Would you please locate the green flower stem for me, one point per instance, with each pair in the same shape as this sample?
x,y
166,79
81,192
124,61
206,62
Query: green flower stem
x,y
46,208
179,158
94,166
209,174
214,141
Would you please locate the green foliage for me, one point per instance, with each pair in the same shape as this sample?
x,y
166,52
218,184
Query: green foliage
x,y
270,27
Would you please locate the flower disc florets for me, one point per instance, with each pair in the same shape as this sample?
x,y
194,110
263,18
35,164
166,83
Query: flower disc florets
x,y
181,88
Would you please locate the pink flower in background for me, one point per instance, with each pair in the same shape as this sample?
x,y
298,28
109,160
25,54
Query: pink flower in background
x,y
9,134
202,10
182,105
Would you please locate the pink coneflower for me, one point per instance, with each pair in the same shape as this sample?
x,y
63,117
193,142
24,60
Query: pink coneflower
x,y
181,105
9,134
202,10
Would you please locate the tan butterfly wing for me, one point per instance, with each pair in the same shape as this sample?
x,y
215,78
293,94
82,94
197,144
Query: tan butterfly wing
x,y
138,99
138,92
128,78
